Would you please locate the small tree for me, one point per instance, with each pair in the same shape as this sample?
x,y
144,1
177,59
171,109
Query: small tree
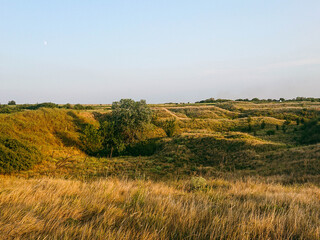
x,y
67,106
263,124
112,139
11,102
78,107
130,117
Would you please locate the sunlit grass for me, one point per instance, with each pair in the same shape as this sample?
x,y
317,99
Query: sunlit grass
x,y
122,209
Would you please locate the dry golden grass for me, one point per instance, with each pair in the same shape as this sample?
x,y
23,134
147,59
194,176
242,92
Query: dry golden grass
x,y
50,130
122,209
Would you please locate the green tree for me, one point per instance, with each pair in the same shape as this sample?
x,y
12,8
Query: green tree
x,y
263,124
112,139
92,140
130,117
310,132
78,107
11,102
67,106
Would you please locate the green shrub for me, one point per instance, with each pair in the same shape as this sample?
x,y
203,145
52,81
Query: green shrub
x,y
271,132
112,139
311,132
145,148
91,140
170,127
198,183
16,156
67,106
78,107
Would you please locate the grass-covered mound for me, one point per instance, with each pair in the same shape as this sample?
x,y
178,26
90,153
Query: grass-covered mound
x,y
16,156
30,136
215,149
51,130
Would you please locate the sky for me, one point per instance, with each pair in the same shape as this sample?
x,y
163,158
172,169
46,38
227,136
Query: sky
x,y
76,51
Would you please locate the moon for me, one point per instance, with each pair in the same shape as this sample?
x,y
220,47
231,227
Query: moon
x,y
45,43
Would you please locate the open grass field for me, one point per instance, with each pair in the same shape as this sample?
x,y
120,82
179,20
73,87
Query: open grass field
x,y
125,209
231,170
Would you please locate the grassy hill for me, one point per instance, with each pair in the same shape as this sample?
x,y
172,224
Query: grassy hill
x,y
231,170
210,139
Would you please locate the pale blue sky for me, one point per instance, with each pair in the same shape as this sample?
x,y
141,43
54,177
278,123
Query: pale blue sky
x,y
158,50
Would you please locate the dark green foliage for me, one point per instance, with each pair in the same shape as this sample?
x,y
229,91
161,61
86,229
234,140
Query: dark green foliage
x,y
144,148
287,122
257,100
6,109
78,107
263,124
120,130
11,102
310,132
271,132
170,127
284,128
130,117
112,140
212,100
92,140
16,156
67,106
37,106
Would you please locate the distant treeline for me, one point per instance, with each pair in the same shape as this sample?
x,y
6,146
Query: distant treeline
x,y
297,99
12,107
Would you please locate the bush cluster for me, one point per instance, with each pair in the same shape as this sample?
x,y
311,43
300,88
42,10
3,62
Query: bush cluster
x,y
16,156
127,120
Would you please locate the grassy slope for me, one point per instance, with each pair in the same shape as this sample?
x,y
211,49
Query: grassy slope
x,y
211,142
204,146
47,129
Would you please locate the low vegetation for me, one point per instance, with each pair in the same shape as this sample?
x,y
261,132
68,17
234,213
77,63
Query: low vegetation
x,y
218,169
16,156
126,209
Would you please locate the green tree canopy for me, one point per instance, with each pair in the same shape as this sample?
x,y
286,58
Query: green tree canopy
x,y
130,116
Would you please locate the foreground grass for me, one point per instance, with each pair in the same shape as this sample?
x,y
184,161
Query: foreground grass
x,y
122,209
